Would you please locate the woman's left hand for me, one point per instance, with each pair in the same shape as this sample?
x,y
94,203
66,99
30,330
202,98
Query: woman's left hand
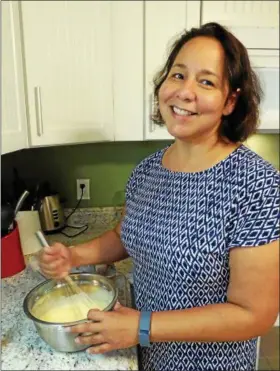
x,y
113,330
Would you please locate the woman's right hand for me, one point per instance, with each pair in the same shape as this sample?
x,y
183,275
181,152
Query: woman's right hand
x,y
55,261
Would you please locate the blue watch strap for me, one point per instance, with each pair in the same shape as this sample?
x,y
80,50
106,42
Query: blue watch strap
x,y
144,328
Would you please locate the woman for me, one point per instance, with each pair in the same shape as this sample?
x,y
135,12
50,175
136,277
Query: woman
x,y
200,222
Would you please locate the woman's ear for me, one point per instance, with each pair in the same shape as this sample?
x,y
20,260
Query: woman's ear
x,y
231,102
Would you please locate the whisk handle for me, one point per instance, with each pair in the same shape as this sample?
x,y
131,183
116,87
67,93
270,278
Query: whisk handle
x,y
41,239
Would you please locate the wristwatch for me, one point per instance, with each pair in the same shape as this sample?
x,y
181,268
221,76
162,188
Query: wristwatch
x,y
144,328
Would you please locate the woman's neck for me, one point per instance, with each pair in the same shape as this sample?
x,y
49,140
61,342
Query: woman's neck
x,y
196,156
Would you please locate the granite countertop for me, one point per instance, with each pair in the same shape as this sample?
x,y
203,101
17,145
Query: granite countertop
x,y
22,347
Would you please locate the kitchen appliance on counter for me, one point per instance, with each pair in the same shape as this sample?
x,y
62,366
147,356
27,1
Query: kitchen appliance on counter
x,y
49,204
51,214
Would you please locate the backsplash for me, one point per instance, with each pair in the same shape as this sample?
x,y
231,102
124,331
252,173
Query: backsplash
x,y
107,165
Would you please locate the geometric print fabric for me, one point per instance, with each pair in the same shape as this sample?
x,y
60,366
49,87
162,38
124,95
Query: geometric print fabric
x,y
179,229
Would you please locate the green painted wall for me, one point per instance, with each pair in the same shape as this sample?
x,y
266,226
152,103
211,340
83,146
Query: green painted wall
x,y
107,165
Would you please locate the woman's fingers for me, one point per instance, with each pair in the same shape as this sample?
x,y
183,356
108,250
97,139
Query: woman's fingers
x,y
54,261
51,274
90,339
56,267
117,306
99,349
107,331
54,249
86,328
95,315
54,264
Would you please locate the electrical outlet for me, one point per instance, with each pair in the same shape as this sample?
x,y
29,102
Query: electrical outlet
x,y
86,195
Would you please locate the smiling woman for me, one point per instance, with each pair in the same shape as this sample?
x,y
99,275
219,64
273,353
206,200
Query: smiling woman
x,y
200,222
210,62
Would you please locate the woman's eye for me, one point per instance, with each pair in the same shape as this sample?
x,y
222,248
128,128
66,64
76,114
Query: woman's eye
x,y
207,83
177,75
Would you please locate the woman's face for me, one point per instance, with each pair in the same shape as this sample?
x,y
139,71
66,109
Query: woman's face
x,y
193,97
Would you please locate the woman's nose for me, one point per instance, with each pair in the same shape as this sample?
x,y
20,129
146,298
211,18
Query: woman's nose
x,y
186,91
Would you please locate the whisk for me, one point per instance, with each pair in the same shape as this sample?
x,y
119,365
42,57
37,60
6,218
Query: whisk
x,y
79,304
71,286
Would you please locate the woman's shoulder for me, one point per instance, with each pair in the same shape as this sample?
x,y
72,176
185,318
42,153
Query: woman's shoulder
x,y
148,165
254,212
250,160
149,162
253,171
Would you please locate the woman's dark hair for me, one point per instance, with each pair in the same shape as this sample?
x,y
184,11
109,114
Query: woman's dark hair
x,y
243,121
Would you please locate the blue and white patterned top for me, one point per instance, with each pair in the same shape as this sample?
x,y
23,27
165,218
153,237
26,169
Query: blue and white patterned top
x,y
179,229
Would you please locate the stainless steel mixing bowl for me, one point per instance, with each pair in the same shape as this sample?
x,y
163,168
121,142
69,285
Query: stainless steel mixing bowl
x,y
52,333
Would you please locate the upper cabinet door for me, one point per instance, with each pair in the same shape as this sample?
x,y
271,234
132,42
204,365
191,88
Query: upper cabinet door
x,y
164,21
128,51
69,70
13,131
269,108
254,23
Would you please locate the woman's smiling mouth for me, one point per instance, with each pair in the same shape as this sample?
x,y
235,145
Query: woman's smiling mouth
x,y
182,112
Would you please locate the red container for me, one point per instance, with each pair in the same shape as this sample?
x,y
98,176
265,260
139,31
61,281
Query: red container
x,y
12,259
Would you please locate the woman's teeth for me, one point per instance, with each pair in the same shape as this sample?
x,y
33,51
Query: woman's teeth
x,y
182,112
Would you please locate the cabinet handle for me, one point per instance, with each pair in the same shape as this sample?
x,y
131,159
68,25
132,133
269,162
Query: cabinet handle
x,y
38,108
152,126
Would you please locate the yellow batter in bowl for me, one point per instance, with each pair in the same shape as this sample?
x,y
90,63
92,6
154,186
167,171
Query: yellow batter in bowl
x,y
61,306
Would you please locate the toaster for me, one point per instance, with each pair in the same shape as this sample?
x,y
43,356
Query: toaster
x,y
51,214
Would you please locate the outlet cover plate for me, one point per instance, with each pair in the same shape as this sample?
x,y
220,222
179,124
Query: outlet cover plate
x,y
86,195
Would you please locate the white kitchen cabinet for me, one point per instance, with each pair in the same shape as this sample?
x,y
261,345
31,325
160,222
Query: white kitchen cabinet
x,y
128,63
269,108
69,71
84,83
13,132
254,23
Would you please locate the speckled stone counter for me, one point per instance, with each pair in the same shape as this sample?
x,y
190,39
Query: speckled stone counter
x,y
22,347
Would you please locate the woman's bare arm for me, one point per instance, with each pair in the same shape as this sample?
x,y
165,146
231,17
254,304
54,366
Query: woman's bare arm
x,y
251,309
105,249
